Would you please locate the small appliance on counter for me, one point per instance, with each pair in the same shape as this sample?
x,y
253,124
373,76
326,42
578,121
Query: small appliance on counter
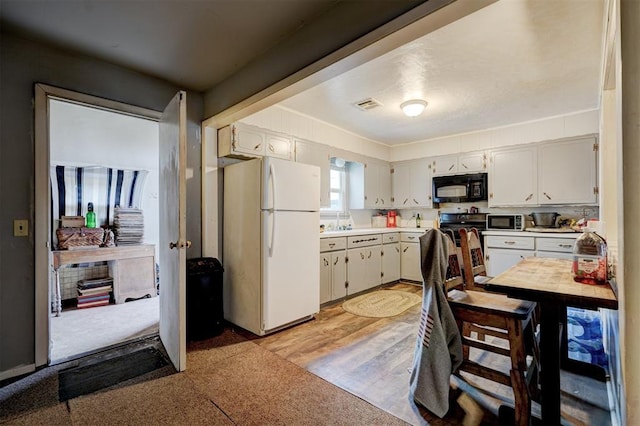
x,y
391,219
505,222
544,220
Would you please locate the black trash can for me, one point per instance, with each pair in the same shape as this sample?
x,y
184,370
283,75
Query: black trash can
x,y
205,316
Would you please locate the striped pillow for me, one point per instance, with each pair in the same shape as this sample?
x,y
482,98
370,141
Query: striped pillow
x,y
73,188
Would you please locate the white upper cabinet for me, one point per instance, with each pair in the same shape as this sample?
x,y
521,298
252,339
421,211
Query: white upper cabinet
x,y
512,177
411,184
444,165
470,162
318,155
550,173
369,185
567,172
243,140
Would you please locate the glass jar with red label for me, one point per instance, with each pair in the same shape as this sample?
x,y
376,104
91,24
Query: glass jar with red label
x,y
590,259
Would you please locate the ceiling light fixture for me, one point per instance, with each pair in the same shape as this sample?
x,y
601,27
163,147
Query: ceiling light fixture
x,y
414,107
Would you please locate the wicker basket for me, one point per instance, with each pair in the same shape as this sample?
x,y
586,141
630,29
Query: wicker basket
x,y
69,238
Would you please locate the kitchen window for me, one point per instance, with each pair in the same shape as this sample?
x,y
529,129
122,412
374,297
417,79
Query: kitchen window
x,y
337,188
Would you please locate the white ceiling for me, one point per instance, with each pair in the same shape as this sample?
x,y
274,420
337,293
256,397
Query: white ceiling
x,y
512,61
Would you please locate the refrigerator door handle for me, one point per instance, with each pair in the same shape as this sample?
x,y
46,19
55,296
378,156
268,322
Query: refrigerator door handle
x,y
272,179
273,232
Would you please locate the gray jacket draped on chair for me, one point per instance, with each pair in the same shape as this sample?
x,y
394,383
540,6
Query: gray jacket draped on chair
x,y
438,351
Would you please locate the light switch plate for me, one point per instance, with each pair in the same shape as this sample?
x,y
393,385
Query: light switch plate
x,y
20,228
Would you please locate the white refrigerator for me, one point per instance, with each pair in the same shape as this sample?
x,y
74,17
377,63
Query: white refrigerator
x,y
271,244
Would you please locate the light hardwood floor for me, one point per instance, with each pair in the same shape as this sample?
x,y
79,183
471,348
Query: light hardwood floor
x,y
371,358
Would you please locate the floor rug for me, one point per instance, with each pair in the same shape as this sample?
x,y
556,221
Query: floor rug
x,y
90,378
381,303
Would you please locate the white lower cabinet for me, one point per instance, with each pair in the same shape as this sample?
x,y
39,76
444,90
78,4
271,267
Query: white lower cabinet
x,y
333,269
390,258
350,265
502,252
499,260
364,268
410,256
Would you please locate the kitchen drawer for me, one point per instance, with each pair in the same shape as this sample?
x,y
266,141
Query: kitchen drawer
x,y
564,245
523,243
410,237
364,240
392,237
331,244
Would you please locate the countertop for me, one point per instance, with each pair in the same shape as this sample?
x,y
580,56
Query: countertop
x,y
365,231
533,234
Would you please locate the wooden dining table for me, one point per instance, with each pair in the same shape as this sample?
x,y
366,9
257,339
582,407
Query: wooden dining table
x,y
550,283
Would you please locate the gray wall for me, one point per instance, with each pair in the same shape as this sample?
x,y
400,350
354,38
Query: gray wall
x,y
22,64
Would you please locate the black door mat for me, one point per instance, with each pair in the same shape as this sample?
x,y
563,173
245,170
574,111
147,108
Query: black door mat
x,y
90,378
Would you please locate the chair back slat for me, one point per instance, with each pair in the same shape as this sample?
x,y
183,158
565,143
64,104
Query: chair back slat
x,y
454,271
472,257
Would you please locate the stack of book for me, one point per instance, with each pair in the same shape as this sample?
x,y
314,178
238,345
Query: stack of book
x,y
94,292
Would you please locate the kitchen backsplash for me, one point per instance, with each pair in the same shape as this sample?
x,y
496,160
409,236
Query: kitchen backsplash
x,y
406,218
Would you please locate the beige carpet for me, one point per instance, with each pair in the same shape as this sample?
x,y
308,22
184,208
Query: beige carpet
x,y
82,331
381,303
229,380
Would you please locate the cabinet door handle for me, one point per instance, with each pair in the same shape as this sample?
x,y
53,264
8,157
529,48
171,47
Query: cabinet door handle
x,y
452,166
405,201
326,262
509,243
332,245
271,148
369,257
464,165
397,250
411,238
382,200
546,195
529,197
565,245
337,260
257,147
405,249
377,200
362,256
415,201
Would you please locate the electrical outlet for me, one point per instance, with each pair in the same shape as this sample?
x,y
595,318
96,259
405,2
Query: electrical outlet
x,y
20,228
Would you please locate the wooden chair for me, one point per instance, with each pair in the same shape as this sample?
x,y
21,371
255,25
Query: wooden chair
x,y
501,317
475,271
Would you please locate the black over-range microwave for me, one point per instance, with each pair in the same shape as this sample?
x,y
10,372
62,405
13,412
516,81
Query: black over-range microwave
x,y
460,188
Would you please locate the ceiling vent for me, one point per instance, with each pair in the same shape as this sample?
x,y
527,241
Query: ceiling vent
x,y
367,104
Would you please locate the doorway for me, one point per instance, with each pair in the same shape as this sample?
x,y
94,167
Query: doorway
x,y
171,195
105,158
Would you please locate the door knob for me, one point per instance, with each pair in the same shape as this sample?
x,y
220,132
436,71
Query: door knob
x,y
180,244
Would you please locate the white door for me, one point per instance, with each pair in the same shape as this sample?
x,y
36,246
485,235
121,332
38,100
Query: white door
x,y
290,270
290,186
173,244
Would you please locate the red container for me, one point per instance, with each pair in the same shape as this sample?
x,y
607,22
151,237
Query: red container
x,y
391,219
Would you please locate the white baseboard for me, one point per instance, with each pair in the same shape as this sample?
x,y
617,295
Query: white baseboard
x,y
17,371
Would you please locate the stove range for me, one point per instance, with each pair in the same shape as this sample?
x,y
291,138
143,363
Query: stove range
x,y
455,221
